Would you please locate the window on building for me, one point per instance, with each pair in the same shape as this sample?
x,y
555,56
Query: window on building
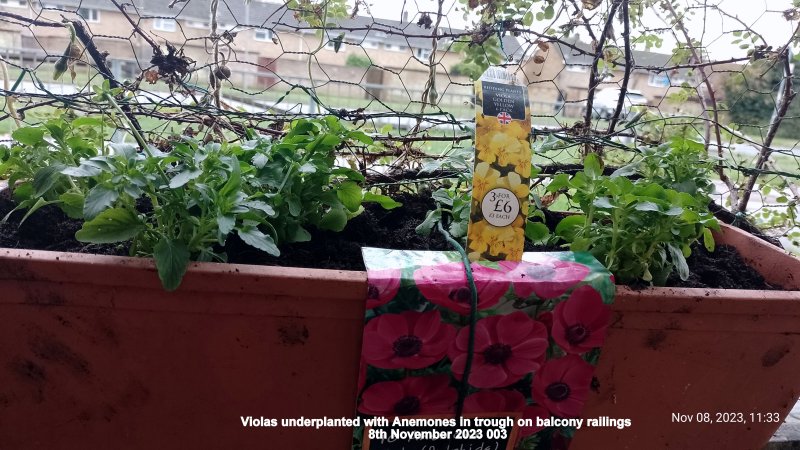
x,y
369,44
422,53
395,47
89,14
161,24
263,35
13,3
662,79
658,79
198,24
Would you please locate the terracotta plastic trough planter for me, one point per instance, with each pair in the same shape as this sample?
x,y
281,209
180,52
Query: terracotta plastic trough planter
x,y
730,354
94,354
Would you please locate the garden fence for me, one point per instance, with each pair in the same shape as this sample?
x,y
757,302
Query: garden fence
x,y
220,67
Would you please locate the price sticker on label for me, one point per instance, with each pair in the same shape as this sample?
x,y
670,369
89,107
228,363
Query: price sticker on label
x,y
500,207
501,179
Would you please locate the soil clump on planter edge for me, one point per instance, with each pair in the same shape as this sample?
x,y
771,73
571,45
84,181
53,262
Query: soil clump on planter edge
x,y
50,229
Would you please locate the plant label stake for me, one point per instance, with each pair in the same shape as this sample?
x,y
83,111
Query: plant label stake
x,y
501,177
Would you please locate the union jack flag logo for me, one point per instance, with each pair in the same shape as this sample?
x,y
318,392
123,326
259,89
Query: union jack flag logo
x,y
504,118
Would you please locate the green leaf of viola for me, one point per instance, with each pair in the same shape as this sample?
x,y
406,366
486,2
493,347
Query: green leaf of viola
x,y
646,206
225,224
128,151
441,196
458,228
708,240
560,181
592,166
98,199
350,194
72,204
261,206
40,202
295,207
299,234
23,191
349,173
335,219
569,226
674,211
425,228
253,237
28,135
87,121
234,183
45,178
386,202
84,170
676,255
536,231
603,202
111,225
260,160
184,177
627,170
361,137
172,259
307,168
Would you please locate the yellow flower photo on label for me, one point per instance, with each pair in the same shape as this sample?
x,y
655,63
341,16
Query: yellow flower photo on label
x,y
501,175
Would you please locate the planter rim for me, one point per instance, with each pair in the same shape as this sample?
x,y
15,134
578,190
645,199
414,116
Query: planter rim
x,y
132,271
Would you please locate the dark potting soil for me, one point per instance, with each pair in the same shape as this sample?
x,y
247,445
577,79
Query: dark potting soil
x,y
375,227
50,229
724,268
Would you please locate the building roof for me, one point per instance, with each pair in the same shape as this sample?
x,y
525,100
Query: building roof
x,y
275,16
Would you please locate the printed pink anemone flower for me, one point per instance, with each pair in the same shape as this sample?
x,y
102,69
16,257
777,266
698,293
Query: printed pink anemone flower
x,y
499,401
546,317
383,286
507,347
562,385
548,278
533,412
446,285
410,396
408,340
580,323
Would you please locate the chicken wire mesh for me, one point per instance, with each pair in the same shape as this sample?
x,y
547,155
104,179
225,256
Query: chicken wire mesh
x,y
603,76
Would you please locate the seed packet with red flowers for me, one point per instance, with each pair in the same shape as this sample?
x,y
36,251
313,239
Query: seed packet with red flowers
x,y
540,325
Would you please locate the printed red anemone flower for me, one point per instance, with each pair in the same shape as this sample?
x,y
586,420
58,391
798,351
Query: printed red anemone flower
x,y
562,384
507,347
580,323
446,285
533,412
546,317
410,396
409,340
494,402
547,278
383,286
